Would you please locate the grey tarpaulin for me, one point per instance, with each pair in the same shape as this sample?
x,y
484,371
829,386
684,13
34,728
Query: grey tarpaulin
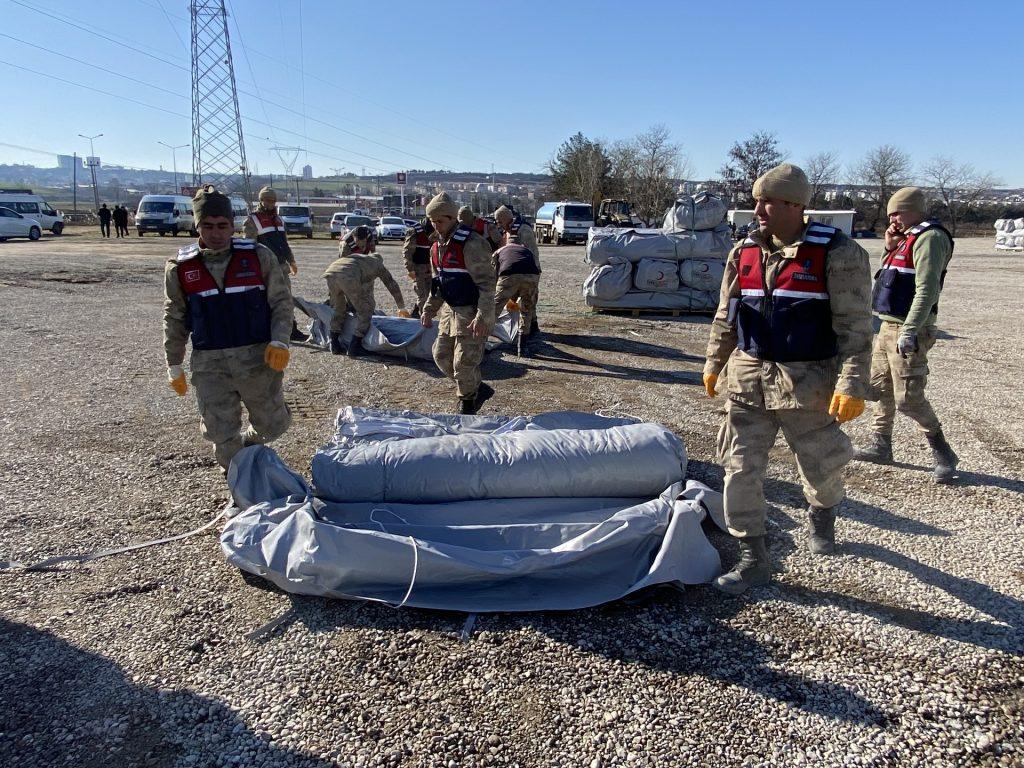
x,y
394,336
483,555
685,299
636,244
701,211
609,281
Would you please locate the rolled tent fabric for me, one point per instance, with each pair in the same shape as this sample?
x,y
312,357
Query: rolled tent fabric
x,y
658,275
701,211
637,244
701,275
518,463
609,281
684,300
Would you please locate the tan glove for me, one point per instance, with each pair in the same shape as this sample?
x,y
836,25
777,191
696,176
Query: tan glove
x,y
293,267
276,355
412,275
710,380
404,313
176,380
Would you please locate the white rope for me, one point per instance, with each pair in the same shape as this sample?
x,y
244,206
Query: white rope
x,y
412,542
612,410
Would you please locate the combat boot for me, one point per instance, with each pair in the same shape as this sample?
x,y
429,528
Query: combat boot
x,y
945,459
877,451
822,529
751,571
356,348
415,312
467,406
337,348
534,328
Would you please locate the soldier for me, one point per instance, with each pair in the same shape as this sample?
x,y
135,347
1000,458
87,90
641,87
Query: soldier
x,y
416,252
518,279
793,324
906,300
105,215
486,229
350,282
463,289
232,299
266,227
515,230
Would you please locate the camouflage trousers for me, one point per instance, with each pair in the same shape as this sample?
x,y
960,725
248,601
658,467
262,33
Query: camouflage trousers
x,y
457,353
421,284
744,441
898,384
347,292
522,288
220,395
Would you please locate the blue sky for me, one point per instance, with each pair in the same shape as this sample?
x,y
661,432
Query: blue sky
x,y
464,85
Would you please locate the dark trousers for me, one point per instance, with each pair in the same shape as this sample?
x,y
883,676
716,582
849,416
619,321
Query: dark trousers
x,y
105,228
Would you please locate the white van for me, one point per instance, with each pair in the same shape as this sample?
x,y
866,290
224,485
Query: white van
x,y
297,218
33,207
241,212
567,221
165,213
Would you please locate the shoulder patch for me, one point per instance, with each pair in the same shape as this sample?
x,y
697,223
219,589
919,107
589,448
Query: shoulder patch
x,y
243,243
417,228
461,233
188,252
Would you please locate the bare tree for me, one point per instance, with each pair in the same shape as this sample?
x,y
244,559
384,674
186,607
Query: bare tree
x,y
747,160
822,170
958,186
647,167
881,171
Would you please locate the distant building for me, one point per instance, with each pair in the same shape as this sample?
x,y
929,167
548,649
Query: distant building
x,y
67,162
307,172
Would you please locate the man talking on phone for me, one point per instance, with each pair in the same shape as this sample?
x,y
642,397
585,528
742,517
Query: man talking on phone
x,y
906,300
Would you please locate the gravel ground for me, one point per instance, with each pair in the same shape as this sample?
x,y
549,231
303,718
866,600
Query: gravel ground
x,y
904,649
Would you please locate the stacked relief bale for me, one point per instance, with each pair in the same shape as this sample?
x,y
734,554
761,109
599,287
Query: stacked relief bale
x,y
1010,234
677,267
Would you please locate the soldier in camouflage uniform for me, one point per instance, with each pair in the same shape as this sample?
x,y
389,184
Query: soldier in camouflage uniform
x,y
350,280
416,253
463,291
233,300
266,228
518,231
486,229
793,324
906,300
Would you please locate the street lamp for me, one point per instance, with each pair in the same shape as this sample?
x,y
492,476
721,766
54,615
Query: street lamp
x,y
174,161
92,166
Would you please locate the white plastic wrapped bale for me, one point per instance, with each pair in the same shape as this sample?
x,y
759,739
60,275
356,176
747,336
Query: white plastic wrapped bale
x,y
685,300
656,275
609,281
1000,225
637,244
1018,225
516,459
701,275
494,554
701,211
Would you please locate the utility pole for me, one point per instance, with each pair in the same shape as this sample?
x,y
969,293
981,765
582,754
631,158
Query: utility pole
x,y
174,161
218,149
92,161
74,182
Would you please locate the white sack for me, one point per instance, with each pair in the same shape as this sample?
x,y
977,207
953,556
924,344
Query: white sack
x,y
701,211
701,275
609,281
656,275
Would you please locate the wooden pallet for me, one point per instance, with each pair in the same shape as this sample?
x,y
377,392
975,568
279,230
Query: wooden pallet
x,y
648,312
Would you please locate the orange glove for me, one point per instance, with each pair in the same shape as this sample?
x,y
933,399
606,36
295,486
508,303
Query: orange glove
x,y
276,356
710,380
176,380
845,408
512,305
293,268
404,313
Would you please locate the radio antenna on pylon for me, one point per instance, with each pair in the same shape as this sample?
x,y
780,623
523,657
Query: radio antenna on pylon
x,y
218,150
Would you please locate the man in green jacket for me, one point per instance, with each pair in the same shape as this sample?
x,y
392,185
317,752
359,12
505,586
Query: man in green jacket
x,y
906,300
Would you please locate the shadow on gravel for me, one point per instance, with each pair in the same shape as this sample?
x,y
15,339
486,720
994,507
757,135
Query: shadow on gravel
x,y
621,344
547,352
60,705
992,481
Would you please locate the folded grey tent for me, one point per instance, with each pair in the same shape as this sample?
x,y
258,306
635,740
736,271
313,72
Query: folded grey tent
x,y
622,518
394,336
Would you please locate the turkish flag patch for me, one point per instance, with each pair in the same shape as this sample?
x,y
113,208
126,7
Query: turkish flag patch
x,y
192,276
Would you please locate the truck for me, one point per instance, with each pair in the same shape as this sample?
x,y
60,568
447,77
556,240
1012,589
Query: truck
x,y
567,221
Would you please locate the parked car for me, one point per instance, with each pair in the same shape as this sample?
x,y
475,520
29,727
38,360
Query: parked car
x,y
351,221
391,228
13,224
27,204
337,222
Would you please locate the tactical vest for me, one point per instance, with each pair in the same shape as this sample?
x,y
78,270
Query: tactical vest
x,y
516,259
271,233
792,319
422,253
452,281
896,282
233,316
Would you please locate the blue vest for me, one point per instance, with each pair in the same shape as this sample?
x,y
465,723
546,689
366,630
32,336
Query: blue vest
x,y
236,315
896,282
